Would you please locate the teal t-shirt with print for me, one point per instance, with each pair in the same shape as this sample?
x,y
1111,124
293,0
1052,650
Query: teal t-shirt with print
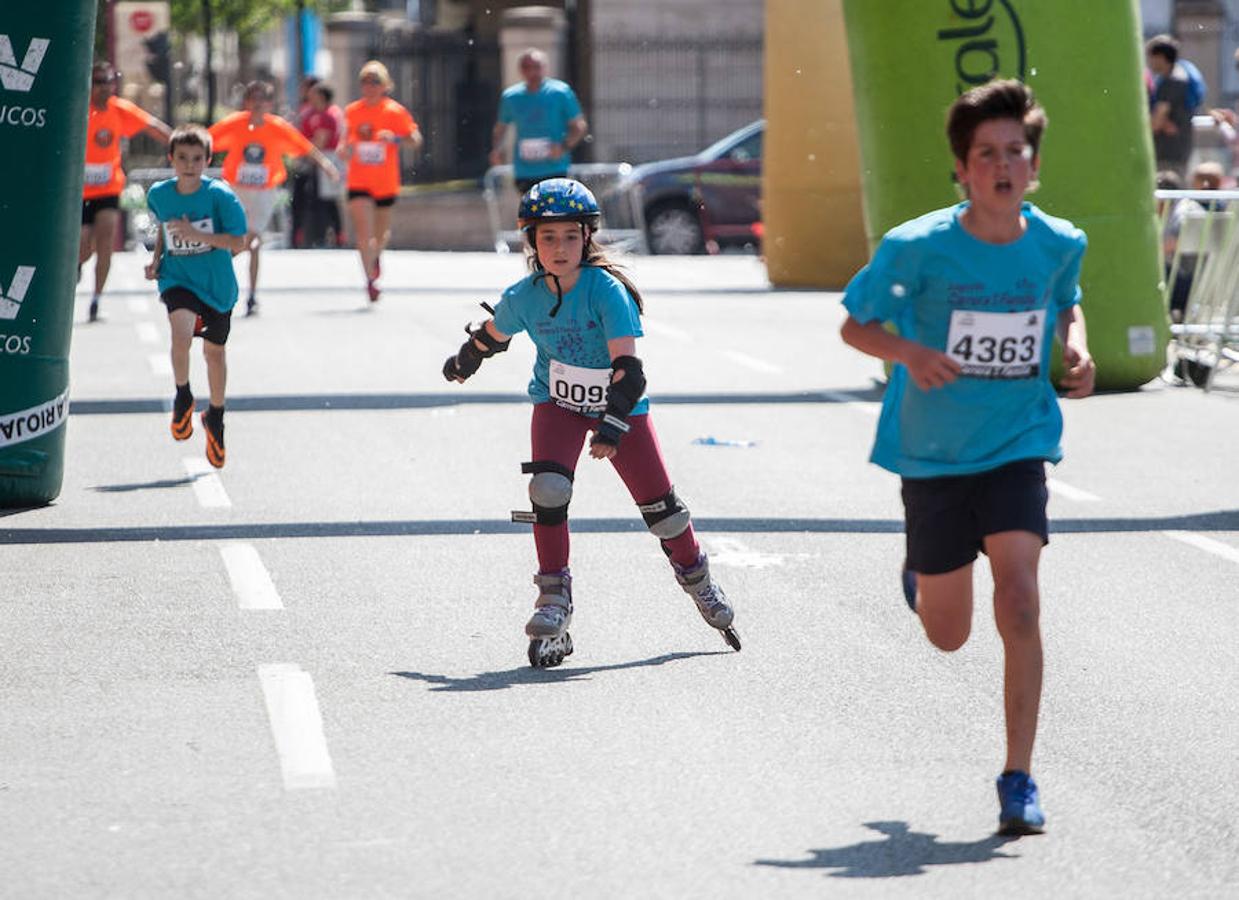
x,y
993,307
205,271
596,310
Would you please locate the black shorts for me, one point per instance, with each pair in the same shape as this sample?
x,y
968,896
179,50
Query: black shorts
x,y
946,519
215,324
380,202
90,208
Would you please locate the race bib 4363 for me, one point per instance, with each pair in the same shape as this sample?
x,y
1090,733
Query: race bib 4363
x,y
997,345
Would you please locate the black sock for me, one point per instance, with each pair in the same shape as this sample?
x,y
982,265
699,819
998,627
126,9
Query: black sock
x,y
215,417
183,392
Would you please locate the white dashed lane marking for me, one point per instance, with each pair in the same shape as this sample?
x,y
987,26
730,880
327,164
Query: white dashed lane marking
x,y
752,362
251,583
1209,545
297,726
161,365
208,487
1068,492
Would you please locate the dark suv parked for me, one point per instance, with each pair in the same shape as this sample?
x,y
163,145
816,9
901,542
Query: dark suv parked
x,y
699,203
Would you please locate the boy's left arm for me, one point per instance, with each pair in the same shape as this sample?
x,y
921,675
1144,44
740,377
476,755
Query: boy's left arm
x,y
1080,371
184,229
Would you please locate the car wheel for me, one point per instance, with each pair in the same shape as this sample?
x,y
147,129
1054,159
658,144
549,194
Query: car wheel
x,y
673,229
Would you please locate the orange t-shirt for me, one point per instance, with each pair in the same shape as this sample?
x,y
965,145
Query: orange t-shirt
x,y
375,165
104,129
256,155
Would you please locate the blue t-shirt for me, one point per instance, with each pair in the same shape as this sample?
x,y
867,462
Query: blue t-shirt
x,y
541,119
596,310
991,306
204,271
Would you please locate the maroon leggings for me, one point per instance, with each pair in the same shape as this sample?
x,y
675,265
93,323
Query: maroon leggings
x,y
558,436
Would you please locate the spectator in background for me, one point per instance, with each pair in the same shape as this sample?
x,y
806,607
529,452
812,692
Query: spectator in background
x,y
548,122
303,178
1170,111
324,126
110,119
1173,213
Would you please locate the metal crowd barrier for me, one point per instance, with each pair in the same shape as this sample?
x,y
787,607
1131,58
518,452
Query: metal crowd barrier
x,y
142,225
623,217
1202,280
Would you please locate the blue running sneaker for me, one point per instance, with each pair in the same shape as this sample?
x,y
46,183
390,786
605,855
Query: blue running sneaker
x,y
909,586
1019,805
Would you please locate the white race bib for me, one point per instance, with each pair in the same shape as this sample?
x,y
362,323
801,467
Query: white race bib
x,y
178,247
252,174
997,345
372,153
579,389
98,174
534,149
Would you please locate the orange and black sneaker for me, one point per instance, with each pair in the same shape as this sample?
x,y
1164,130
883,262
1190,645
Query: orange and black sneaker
x,y
183,415
213,425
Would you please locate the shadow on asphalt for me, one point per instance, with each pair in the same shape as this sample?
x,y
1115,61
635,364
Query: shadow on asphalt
x,y
345,402
498,681
903,852
145,485
1222,520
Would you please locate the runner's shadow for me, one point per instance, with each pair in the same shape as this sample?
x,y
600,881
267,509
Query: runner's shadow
x,y
145,485
498,681
903,852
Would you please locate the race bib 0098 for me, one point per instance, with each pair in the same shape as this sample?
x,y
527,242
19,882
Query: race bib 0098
x,y
577,388
997,345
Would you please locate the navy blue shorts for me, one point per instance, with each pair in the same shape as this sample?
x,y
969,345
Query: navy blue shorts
x,y
947,519
215,325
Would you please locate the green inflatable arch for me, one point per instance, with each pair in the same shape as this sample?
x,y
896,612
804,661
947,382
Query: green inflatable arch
x,y
911,58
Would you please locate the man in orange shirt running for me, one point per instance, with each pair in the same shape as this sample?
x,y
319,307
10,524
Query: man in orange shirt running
x,y
111,118
256,142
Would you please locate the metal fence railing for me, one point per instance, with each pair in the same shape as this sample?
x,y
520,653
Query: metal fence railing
x,y
620,203
1200,248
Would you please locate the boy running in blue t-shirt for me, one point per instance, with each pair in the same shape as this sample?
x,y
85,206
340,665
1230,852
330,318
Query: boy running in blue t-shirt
x,y
202,226
978,292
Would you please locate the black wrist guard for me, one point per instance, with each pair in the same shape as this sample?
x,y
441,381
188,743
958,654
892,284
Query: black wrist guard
x,y
468,358
622,397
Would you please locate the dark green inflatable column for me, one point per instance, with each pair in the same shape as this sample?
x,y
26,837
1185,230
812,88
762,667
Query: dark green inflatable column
x,y
912,58
45,60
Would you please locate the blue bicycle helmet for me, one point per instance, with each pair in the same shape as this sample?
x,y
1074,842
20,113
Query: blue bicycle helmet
x,y
560,200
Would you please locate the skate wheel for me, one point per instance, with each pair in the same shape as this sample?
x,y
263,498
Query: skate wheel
x,y
732,639
545,653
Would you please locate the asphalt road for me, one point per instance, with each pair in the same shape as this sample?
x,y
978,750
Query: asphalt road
x,y
305,676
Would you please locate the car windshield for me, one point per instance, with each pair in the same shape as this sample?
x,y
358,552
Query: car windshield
x,y
751,143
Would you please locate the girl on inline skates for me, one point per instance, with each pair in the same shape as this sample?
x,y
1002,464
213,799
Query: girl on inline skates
x,y
583,316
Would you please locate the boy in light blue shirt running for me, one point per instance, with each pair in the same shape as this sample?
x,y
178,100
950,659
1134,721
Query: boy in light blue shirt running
x,y
978,292
201,228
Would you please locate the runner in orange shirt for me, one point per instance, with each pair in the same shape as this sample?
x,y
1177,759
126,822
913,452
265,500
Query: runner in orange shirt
x,y
110,119
256,142
377,126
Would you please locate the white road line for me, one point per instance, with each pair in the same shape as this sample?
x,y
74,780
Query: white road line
x,y
138,304
207,485
161,365
726,551
667,331
250,581
868,407
297,726
147,332
1070,493
752,362
1209,545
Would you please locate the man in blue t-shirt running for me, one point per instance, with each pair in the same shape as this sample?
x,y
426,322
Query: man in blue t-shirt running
x,y
978,293
548,122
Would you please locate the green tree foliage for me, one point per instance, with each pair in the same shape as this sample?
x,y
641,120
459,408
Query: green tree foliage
x,y
245,18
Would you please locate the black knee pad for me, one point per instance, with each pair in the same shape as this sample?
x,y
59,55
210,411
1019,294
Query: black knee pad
x,y
666,516
550,491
